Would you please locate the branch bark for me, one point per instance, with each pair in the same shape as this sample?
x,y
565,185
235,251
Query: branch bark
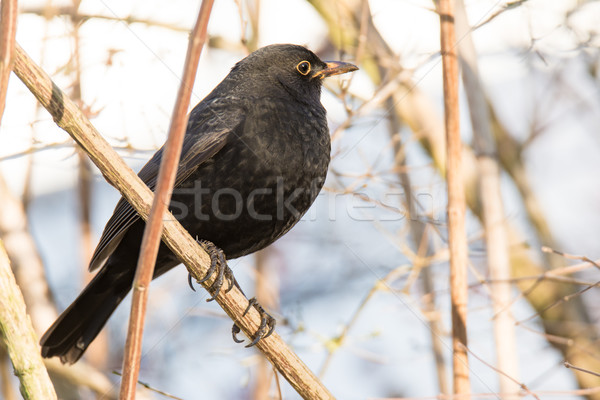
x,y
457,237
8,31
20,338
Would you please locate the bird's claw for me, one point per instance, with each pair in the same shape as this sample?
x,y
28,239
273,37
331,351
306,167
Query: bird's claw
x,y
218,265
265,329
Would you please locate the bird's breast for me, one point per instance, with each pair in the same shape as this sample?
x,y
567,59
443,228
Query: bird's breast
x,y
263,180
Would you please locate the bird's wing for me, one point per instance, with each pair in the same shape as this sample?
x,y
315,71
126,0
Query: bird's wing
x,y
205,137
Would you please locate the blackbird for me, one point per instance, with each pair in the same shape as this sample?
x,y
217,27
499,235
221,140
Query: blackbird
x,y
254,158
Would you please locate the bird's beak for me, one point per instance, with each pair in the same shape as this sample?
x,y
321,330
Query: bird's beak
x,y
335,68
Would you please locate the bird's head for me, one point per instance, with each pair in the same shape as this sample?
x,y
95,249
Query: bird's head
x,y
292,68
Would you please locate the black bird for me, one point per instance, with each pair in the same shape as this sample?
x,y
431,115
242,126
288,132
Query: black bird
x,y
254,158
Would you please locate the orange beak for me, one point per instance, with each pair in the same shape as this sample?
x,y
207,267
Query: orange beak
x,y
335,68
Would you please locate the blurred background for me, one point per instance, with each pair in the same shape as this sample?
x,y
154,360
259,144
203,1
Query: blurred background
x,y
360,286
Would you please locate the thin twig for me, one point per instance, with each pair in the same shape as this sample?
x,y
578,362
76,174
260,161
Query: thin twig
x,y
162,197
587,371
151,388
561,300
53,11
547,249
506,7
456,200
499,371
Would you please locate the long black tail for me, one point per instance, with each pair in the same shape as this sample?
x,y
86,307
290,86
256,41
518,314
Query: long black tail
x,y
78,325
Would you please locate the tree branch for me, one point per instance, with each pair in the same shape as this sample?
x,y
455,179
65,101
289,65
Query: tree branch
x,y
457,237
20,338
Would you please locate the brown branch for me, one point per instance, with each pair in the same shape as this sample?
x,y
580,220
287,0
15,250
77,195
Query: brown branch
x,y
20,338
8,31
71,119
166,178
456,200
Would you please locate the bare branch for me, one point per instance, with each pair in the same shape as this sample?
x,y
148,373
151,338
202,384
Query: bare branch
x,y
8,31
457,237
20,338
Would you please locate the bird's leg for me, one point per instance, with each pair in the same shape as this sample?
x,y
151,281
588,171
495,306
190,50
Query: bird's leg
x,y
218,264
265,329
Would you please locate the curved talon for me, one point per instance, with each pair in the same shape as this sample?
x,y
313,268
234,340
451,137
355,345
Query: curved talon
x,y
234,331
271,325
231,280
190,283
266,321
251,302
258,335
213,251
215,288
218,265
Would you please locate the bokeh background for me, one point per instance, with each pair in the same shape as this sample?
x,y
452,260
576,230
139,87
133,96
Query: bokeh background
x,y
360,286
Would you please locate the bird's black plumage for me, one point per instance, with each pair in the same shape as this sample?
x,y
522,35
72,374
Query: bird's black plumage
x,y
254,158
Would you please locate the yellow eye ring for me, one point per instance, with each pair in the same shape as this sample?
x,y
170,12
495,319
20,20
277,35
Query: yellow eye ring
x,y
303,67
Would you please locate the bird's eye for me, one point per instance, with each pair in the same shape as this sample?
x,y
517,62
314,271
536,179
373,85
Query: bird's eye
x,y
303,67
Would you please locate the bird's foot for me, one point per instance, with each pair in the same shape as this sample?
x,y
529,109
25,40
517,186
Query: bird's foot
x,y
265,329
218,266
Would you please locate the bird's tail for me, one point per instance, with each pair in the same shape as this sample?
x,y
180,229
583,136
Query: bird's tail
x,y
78,325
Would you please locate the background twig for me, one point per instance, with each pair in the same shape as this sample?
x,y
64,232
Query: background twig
x,y
496,241
162,197
8,31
